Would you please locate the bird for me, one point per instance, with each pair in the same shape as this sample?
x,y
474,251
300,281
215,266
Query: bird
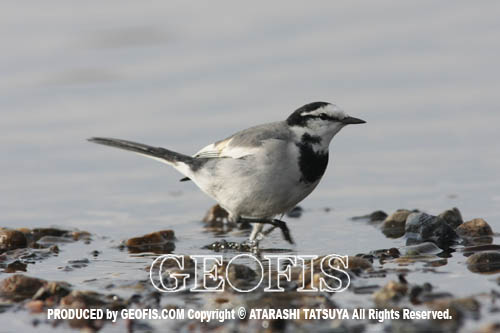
x,y
261,172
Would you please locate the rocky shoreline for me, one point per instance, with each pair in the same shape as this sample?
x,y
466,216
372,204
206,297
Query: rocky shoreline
x,y
382,279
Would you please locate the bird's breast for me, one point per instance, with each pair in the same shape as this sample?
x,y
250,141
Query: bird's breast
x,y
312,164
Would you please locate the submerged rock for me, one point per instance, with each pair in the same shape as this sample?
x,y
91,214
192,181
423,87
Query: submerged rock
x,y
422,227
484,262
453,217
12,239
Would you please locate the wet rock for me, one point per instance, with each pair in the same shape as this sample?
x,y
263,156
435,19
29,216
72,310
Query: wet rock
x,y
390,294
47,241
81,235
422,227
354,263
158,242
52,289
50,236
241,276
78,263
376,216
20,286
15,267
484,262
394,225
82,299
11,240
38,233
366,290
478,248
296,212
216,214
384,254
452,217
419,249
459,309
169,267
475,228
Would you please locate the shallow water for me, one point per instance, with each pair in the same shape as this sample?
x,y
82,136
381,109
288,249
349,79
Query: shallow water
x,y
424,76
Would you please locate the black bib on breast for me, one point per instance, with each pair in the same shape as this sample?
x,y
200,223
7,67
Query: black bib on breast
x,y
312,164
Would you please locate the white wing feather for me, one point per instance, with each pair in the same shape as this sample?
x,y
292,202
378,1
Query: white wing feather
x,y
223,149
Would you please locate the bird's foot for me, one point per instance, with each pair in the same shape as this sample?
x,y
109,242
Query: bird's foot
x,y
275,224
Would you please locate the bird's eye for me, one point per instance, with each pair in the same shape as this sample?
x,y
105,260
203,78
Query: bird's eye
x,y
323,116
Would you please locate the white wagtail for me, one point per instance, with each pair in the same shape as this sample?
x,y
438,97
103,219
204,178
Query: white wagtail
x,y
263,171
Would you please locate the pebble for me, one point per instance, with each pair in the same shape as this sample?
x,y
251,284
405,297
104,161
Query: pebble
x,y
16,266
12,239
475,228
394,225
484,262
452,217
419,249
158,242
19,286
422,227
376,216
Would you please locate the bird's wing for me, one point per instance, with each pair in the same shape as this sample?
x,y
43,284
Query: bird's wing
x,y
246,142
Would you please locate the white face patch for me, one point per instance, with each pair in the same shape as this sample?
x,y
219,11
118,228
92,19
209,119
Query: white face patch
x,y
330,110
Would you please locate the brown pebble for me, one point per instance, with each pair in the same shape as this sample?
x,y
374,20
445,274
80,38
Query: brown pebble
x,y
484,262
20,286
78,235
354,263
12,239
394,225
152,238
15,266
475,228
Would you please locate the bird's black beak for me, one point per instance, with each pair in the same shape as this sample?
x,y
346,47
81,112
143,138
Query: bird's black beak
x,y
352,120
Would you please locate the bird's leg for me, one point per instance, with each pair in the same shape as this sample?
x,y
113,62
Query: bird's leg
x,y
274,222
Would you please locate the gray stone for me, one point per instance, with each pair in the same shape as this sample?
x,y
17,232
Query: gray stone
x,y
422,227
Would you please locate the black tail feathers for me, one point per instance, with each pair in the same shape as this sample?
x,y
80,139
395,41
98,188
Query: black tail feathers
x,y
157,152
